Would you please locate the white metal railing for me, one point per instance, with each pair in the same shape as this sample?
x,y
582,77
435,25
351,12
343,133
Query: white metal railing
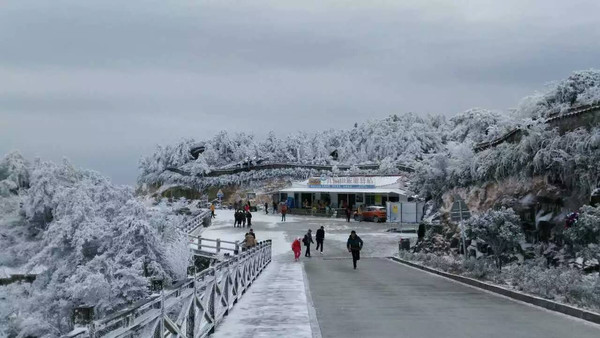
x,y
196,222
190,308
207,245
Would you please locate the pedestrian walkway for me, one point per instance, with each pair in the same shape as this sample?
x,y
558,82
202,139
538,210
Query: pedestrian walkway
x,y
275,306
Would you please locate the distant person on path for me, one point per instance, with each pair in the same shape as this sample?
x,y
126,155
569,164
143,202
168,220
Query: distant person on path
x,y
236,217
274,207
354,246
283,212
320,237
266,208
249,218
243,218
348,213
212,210
296,248
307,240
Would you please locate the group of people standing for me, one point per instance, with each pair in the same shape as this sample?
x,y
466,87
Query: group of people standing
x,y
354,244
242,218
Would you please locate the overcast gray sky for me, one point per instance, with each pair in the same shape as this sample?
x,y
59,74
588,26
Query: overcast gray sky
x,y
103,82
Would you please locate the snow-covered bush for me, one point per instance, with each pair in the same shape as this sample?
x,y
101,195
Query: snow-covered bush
x,y
500,229
583,237
563,284
481,268
535,277
586,230
98,247
13,174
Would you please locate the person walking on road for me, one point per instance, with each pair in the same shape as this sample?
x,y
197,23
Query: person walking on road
x,y
212,210
274,207
320,237
283,212
348,213
297,248
266,208
354,245
307,241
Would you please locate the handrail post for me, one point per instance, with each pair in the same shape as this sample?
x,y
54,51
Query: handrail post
x,y
211,300
162,312
237,248
199,243
218,245
192,328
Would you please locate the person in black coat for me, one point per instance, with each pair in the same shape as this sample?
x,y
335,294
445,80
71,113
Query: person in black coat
x,y
249,218
266,208
320,237
239,215
307,240
354,245
348,213
236,218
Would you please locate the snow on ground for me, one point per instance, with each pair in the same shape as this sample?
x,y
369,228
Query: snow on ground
x,y
276,305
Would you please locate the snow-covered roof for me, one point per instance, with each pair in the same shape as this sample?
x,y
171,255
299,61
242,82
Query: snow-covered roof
x,y
350,184
348,190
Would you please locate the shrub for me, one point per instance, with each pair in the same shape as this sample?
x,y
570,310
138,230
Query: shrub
x,y
500,229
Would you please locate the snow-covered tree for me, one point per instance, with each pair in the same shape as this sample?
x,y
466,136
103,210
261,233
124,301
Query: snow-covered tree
x,y
13,173
500,229
98,246
584,236
580,88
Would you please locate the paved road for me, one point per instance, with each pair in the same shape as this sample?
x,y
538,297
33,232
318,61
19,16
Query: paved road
x,y
386,299
380,299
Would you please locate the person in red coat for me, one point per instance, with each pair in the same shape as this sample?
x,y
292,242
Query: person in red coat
x,y
297,248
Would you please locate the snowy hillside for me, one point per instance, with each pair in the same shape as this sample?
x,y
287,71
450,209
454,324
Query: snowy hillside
x,y
88,241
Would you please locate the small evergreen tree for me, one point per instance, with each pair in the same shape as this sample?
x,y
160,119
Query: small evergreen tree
x,y
584,236
500,229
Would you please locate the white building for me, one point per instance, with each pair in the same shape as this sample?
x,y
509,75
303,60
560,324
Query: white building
x,y
337,192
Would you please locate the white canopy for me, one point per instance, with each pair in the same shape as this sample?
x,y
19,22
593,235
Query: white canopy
x,y
346,191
